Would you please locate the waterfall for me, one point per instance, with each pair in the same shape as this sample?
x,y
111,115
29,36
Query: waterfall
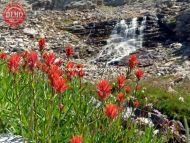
x,y
125,39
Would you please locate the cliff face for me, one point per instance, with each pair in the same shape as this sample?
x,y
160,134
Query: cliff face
x,y
183,25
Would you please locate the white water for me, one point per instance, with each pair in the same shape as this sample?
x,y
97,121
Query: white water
x,y
125,39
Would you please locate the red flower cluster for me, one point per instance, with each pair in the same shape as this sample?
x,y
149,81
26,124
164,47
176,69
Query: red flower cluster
x,y
42,43
43,67
70,70
58,83
58,62
138,88
3,55
76,139
121,81
69,51
79,70
32,60
73,70
120,97
111,111
127,89
103,89
49,58
136,103
13,63
139,73
54,72
133,61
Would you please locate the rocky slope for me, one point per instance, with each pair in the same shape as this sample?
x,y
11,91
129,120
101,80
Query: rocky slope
x,y
166,37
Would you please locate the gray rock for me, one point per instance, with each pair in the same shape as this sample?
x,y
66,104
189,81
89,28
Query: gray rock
x,y
115,2
183,25
42,4
81,5
10,138
30,32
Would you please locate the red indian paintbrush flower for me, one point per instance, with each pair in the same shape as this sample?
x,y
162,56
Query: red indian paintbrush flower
x,y
58,62
3,55
24,56
13,63
103,89
133,61
76,139
127,89
54,72
32,60
136,103
111,111
59,84
139,73
79,70
43,67
120,97
121,81
69,51
137,88
70,70
41,43
49,58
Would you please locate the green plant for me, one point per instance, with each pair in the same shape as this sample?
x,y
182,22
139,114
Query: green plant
x,y
45,103
187,130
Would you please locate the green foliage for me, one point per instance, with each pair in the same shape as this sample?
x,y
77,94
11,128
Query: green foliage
x,y
29,107
187,130
157,93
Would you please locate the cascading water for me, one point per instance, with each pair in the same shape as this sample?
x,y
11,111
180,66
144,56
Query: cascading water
x,y
125,39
